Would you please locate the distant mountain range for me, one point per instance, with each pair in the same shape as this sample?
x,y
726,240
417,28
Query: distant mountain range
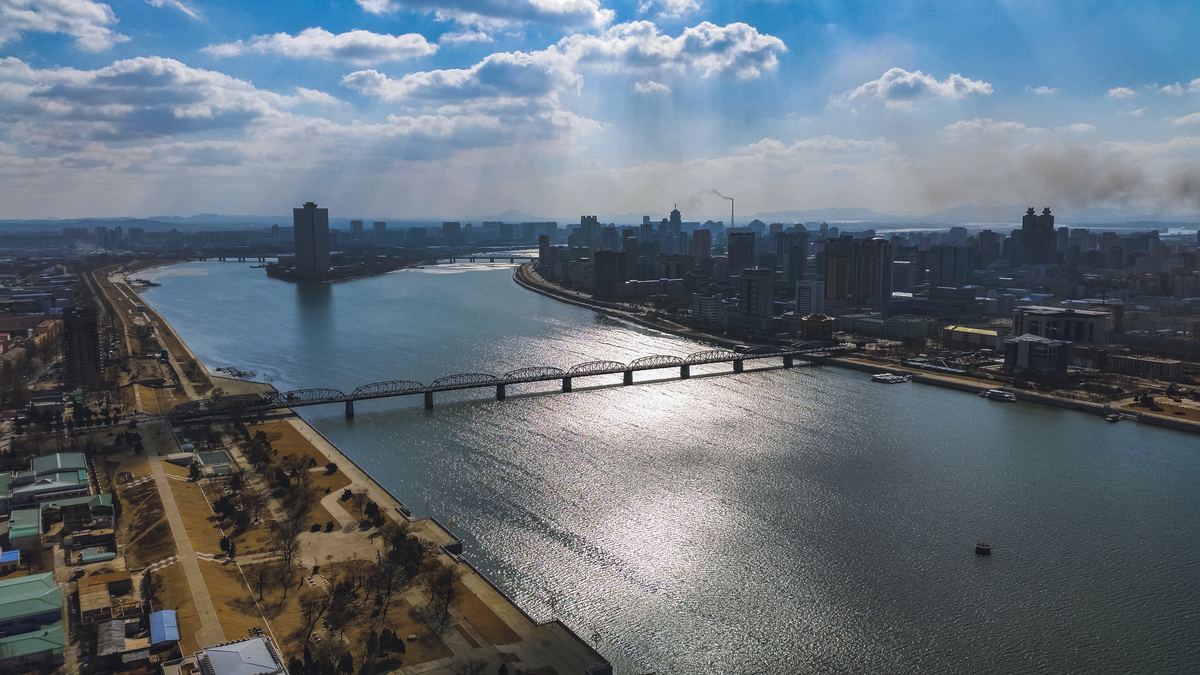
x,y
1007,214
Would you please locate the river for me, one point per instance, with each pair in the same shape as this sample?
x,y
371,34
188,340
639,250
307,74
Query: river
x,y
802,520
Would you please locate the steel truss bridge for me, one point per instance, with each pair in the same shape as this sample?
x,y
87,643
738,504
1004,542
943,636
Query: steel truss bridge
x,y
242,405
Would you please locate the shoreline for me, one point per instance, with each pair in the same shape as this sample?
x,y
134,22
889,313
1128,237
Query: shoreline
x,y
529,280
575,651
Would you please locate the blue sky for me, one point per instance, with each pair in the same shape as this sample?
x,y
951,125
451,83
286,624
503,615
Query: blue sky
x,y
459,108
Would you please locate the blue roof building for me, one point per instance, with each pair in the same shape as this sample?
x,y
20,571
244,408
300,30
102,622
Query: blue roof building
x,y
164,627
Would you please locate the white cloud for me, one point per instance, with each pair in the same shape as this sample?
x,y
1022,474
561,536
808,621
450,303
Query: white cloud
x,y
1173,89
493,13
987,126
1121,92
466,36
85,20
1194,86
1077,128
1043,90
1194,118
637,46
669,8
820,145
900,88
175,4
357,47
1133,113
650,87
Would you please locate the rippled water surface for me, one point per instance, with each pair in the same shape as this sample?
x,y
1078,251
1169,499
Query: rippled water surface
x,y
802,520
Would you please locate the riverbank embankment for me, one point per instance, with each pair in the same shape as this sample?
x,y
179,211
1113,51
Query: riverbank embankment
x,y
527,278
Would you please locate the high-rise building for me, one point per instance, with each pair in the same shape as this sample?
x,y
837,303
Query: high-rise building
x,y
1039,242
380,231
451,233
951,265
701,244
676,222
872,279
609,270
312,237
756,293
609,239
356,230
741,251
82,367
810,297
837,273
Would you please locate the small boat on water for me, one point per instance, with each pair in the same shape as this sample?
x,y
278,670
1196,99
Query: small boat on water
x,y
1114,417
890,378
998,395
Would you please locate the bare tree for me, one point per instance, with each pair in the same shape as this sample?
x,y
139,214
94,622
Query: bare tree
x,y
312,608
442,583
286,538
260,577
359,500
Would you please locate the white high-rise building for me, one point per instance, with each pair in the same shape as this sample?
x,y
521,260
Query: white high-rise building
x,y
810,297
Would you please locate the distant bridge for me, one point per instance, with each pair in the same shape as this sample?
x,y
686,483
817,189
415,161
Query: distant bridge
x,y
485,256
225,406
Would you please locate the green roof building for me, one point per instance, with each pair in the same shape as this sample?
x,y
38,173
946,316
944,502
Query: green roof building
x,y
26,603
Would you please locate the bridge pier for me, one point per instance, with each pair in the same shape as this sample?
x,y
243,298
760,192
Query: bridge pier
x,y
512,260
429,400
566,385
685,371
788,361
737,365
491,260
499,392
349,410
629,377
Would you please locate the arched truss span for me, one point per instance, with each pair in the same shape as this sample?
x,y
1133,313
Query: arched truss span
x,y
656,361
305,396
710,356
597,368
388,388
534,374
464,380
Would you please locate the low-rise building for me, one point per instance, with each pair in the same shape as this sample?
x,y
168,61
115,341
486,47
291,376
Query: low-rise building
x,y
253,656
31,625
1147,367
968,339
1057,323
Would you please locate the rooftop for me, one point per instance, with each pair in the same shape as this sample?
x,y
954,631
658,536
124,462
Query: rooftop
x,y
247,657
50,637
29,595
63,461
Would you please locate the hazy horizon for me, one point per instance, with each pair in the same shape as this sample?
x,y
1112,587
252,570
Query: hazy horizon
x,y
142,108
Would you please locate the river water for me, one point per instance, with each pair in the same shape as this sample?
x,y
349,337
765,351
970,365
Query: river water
x,y
778,521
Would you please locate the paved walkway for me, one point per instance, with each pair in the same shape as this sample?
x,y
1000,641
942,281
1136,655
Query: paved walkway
x,y
211,633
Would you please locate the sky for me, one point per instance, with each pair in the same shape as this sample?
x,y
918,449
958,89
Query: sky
x,y
459,108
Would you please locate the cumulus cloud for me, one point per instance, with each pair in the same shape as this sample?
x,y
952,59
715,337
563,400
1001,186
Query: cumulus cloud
x,y
1194,86
357,47
1043,90
1194,118
819,145
1121,92
1133,113
900,88
1077,128
637,46
651,87
463,37
175,4
1173,89
85,20
493,13
669,8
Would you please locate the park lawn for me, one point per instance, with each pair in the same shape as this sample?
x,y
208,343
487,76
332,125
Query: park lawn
x,y
231,597
285,439
481,617
170,590
143,526
198,520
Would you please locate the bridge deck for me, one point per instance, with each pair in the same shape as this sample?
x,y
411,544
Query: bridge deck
x,y
388,389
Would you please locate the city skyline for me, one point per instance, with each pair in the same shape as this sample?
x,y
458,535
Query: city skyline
x,y
410,109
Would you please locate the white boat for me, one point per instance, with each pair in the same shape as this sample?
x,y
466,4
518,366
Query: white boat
x,y
890,378
998,395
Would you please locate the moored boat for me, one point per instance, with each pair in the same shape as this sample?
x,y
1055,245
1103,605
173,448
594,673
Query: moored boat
x,y
890,378
998,395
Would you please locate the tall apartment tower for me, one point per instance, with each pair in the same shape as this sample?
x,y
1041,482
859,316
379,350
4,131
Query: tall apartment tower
x,y
451,233
701,244
81,348
312,238
356,230
756,292
741,251
380,231
810,298
1038,238
871,282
